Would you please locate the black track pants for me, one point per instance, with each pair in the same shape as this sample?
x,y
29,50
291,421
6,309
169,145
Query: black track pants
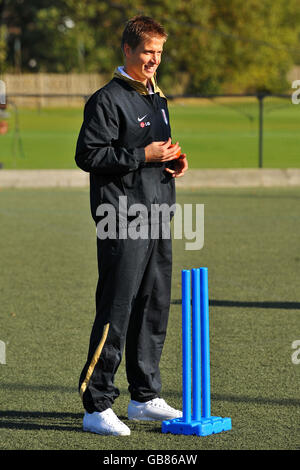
x,y
132,308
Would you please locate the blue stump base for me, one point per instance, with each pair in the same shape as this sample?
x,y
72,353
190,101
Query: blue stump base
x,y
204,427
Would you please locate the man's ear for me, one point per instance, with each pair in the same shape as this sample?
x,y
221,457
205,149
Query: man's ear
x,y
127,50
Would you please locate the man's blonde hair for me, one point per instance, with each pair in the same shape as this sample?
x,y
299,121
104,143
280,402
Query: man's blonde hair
x,y
140,28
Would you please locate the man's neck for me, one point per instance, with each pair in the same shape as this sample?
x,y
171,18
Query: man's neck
x,y
144,82
147,83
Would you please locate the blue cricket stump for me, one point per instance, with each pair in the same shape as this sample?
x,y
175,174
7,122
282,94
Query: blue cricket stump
x,y
196,417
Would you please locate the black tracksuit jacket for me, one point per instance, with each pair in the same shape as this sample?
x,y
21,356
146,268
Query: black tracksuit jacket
x,y
118,124
133,291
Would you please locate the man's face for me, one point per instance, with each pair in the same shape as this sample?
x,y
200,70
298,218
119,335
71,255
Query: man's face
x,y
142,62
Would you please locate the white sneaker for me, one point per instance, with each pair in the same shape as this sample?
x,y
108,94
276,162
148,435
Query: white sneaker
x,y
106,423
153,410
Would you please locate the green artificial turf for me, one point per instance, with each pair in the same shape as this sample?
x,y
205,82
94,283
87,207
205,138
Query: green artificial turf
x,y
47,285
213,134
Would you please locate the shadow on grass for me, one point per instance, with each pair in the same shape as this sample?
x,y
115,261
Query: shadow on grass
x,y
65,421
237,303
36,420
245,193
257,400
38,387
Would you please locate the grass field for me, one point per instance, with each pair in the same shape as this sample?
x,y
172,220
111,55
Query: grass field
x,y
48,279
218,134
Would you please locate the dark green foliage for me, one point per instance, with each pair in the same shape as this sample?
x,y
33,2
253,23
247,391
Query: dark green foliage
x,y
213,45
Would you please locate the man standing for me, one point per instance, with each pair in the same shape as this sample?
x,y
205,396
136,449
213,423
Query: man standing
x,y
125,145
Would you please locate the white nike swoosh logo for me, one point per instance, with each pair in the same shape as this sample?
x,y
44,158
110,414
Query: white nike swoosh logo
x,y
140,119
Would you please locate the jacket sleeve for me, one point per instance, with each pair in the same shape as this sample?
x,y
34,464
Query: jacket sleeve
x,y
97,150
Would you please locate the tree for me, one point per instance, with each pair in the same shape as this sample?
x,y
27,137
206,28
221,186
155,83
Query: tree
x,y
213,46
3,34
259,41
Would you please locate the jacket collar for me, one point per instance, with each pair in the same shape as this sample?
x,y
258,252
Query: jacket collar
x,y
139,86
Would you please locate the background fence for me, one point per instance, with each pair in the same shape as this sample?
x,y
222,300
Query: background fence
x,y
38,89
216,131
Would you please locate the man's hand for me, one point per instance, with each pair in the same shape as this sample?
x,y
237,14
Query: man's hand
x,y
161,151
180,166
